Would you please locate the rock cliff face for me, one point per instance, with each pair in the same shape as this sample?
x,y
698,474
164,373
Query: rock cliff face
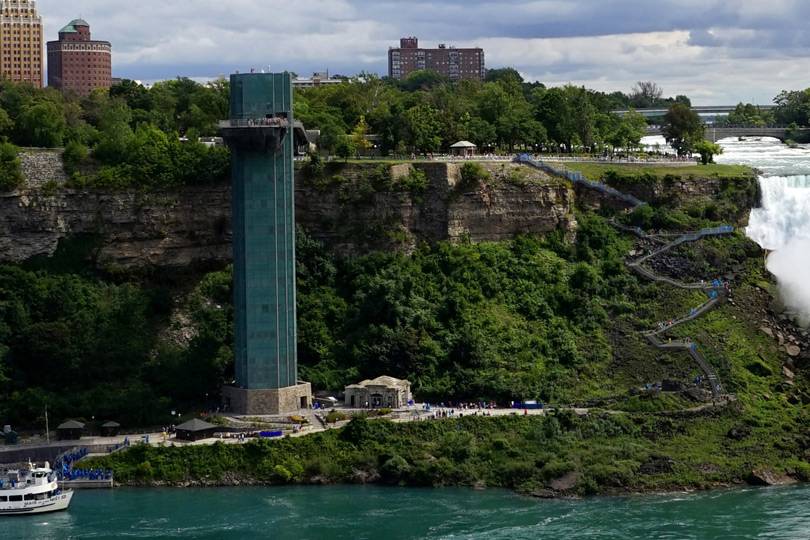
x,y
133,230
676,191
351,208
351,216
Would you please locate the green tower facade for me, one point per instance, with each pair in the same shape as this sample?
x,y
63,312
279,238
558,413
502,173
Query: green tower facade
x,y
260,134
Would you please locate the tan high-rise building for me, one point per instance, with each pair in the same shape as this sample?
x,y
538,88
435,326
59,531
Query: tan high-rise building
x,y
21,55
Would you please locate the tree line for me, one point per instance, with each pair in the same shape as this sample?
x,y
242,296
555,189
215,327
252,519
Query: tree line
x,y
427,113
122,137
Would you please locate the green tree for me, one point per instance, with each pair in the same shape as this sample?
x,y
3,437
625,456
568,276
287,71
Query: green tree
x,y
6,124
11,176
646,94
682,128
345,148
628,131
793,108
707,151
422,126
481,132
74,155
422,80
42,125
359,136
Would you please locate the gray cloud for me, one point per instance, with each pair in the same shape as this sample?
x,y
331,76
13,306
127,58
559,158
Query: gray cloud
x,y
711,49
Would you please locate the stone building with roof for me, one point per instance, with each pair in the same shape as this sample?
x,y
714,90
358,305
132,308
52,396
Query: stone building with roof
x,y
378,393
76,62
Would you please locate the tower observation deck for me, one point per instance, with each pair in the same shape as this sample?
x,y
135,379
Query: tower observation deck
x,y
260,136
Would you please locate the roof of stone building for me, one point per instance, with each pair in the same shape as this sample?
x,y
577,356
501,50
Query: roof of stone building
x,y
380,381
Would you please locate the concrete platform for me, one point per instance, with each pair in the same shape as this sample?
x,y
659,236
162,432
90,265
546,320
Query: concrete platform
x,y
87,484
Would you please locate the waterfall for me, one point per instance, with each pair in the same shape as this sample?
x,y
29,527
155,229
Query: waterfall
x,y
785,212
782,225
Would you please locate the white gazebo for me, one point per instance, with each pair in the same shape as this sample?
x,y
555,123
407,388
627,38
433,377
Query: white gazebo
x,y
463,149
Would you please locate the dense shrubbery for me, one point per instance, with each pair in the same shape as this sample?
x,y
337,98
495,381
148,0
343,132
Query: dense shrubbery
x,y
87,348
605,452
125,137
492,321
10,174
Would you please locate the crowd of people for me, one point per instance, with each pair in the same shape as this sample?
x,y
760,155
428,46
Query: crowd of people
x,y
87,474
65,462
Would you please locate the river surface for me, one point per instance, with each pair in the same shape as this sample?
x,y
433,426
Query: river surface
x,y
356,513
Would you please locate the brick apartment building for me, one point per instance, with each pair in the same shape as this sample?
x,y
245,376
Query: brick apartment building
x,y
455,64
20,42
78,64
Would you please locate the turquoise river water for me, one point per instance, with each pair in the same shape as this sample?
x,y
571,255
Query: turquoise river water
x,y
358,513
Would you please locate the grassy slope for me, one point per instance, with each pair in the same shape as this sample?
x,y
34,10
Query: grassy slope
x,y
596,171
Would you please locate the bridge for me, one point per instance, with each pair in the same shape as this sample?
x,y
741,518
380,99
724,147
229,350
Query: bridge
x,y
715,134
705,111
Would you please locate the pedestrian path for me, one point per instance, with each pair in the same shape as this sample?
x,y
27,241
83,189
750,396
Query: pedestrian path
x,y
715,290
579,178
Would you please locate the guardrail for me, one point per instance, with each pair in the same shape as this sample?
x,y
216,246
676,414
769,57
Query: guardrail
x,y
579,178
257,122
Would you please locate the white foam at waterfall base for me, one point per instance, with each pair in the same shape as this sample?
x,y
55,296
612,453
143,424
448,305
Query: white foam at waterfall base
x,y
791,266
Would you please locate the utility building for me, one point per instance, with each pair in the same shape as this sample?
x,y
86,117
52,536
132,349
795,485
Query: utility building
x,y
261,136
20,42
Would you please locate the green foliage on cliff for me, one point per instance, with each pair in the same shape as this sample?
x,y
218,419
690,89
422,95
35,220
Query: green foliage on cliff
x,y
505,321
10,174
132,134
89,348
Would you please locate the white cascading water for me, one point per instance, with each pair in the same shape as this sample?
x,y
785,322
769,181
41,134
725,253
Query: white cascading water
x,y
782,224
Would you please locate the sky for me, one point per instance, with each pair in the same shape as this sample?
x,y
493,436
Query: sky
x,y
718,52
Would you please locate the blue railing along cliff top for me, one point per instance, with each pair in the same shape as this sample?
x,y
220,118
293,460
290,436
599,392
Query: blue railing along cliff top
x,y
578,178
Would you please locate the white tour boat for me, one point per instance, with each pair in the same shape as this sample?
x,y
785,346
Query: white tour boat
x,y
34,490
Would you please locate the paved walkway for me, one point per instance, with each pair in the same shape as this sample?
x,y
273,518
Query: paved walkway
x,y
714,290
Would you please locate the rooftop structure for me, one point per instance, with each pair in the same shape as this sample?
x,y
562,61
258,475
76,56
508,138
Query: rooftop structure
x,y
317,79
21,42
455,64
76,62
